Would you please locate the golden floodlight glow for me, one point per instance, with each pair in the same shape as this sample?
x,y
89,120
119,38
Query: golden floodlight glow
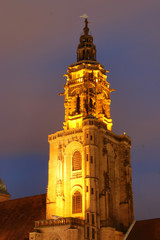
x,y
89,170
86,93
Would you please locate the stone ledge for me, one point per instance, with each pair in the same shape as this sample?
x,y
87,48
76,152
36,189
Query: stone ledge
x,y
59,221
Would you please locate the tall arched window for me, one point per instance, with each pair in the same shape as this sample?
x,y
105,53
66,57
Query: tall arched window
x,y
77,202
78,105
76,161
90,103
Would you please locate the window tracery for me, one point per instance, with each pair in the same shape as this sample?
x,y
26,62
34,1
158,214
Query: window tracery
x,y
76,161
77,202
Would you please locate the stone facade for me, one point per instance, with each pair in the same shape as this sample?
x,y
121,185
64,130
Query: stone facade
x,y
89,194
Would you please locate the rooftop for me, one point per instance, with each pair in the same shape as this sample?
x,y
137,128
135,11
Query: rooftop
x,y
18,216
144,230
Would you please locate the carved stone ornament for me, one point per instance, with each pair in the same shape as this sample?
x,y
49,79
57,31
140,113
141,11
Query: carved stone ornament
x,y
59,188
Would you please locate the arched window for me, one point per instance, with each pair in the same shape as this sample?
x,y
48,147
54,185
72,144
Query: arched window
x,y
88,57
76,161
78,105
83,55
90,103
77,202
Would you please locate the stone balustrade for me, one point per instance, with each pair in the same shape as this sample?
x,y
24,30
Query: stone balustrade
x,y
59,221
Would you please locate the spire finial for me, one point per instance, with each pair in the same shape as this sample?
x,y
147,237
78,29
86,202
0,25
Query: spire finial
x,y
84,16
85,29
86,49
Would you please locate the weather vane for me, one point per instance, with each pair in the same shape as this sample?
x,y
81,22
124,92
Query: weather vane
x,y
84,16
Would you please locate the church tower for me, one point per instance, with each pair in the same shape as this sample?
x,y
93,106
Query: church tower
x,y
87,92
89,194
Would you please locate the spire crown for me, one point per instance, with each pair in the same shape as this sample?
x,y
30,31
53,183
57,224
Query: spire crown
x,y
86,49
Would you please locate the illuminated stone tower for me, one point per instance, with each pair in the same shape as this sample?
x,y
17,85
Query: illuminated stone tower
x,y
87,92
89,192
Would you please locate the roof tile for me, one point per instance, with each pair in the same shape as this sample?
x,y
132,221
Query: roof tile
x,y
17,216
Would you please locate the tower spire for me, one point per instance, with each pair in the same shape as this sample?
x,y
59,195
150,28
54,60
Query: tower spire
x,y
86,29
86,49
89,182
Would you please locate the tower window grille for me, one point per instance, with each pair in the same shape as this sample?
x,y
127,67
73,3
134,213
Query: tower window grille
x,y
78,105
92,219
87,217
87,157
87,232
93,233
76,161
77,202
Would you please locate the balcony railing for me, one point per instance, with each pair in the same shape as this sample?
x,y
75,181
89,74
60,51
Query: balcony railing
x,y
59,221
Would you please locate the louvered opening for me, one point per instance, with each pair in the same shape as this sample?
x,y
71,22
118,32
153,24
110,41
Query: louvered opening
x,y
77,202
76,161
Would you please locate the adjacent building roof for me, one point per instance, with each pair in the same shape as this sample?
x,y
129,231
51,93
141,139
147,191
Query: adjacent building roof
x,y
17,219
144,230
17,216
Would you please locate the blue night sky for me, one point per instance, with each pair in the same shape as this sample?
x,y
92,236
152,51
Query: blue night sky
x,y
38,41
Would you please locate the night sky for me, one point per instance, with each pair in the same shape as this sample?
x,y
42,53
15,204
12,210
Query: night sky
x,y
38,40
